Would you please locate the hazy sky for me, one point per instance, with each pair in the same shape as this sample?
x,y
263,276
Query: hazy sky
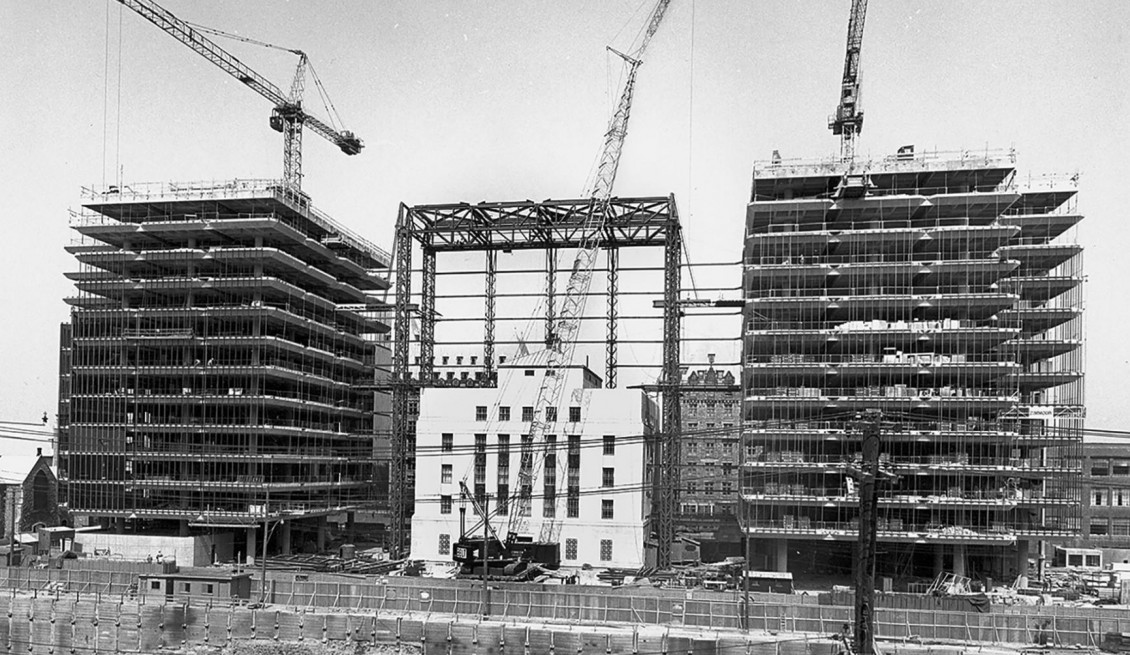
x,y
467,100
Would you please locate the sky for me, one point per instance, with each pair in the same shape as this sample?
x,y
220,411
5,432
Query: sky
x,y
473,100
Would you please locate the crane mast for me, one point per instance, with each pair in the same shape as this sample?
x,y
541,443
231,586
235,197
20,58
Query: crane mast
x,y
563,340
287,117
848,120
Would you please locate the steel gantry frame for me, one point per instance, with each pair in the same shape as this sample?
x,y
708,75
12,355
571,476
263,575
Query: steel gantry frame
x,y
549,226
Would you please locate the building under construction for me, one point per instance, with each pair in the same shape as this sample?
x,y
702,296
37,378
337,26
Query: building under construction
x,y
945,292
223,347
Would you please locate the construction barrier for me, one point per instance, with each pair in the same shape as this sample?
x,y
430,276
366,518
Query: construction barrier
x,y
338,594
47,626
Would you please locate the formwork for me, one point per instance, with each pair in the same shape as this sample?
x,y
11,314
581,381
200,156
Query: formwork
x,y
222,354
944,291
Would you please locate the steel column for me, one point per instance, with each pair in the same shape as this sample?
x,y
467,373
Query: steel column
x,y
613,315
488,326
672,420
550,295
427,313
401,387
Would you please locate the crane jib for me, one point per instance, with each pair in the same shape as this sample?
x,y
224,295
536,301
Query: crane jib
x,y
287,116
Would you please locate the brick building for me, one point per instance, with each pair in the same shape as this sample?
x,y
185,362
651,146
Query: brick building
x,y
710,458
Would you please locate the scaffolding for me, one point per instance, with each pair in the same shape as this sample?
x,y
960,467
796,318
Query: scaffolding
x,y
945,292
457,230
222,352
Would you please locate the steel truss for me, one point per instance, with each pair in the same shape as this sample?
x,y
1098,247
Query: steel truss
x,y
526,225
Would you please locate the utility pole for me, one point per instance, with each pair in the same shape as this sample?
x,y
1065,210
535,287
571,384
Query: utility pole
x,y
486,589
266,536
865,565
12,527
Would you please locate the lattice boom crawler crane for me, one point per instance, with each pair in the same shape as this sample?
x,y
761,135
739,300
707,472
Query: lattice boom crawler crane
x,y
563,340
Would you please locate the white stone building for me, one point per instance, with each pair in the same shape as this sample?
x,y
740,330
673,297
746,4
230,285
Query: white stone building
x,y
597,444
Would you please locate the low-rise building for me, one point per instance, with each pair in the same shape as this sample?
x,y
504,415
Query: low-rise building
x,y
29,492
1106,508
589,471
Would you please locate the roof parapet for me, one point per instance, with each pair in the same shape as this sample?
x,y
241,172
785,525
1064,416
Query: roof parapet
x,y
905,161
233,189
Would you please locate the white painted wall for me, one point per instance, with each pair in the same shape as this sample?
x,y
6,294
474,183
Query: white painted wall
x,y
626,414
186,551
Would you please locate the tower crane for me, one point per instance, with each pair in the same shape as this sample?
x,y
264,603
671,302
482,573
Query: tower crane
x,y
287,117
563,340
848,120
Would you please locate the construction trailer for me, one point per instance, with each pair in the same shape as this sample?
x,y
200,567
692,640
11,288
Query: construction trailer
x,y
945,291
223,348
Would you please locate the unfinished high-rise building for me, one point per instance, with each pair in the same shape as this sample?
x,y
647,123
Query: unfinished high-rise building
x,y
223,349
945,292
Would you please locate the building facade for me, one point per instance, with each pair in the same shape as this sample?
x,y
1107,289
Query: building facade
x,y
944,292
221,353
1106,493
29,493
710,462
589,474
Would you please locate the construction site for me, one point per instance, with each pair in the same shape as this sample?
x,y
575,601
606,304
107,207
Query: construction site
x,y
514,427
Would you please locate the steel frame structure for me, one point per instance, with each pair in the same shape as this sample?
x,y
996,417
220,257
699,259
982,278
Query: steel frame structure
x,y
550,225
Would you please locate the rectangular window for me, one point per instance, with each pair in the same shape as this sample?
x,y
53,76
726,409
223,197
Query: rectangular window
x,y
606,508
527,413
187,587
608,477
444,544
550,414
1120,497
574,414
445,504
1120,467
503,446
609,444
1101,497
1120,527
570,549
504,413
154,584
503,499
606,550
445,474
573,505
209,589
481,413
1100,467
448,442
1099,525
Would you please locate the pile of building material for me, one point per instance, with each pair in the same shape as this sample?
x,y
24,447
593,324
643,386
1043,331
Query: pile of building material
x,y
332,564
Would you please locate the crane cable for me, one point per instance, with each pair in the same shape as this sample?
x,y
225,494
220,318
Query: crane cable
x,y
331,111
